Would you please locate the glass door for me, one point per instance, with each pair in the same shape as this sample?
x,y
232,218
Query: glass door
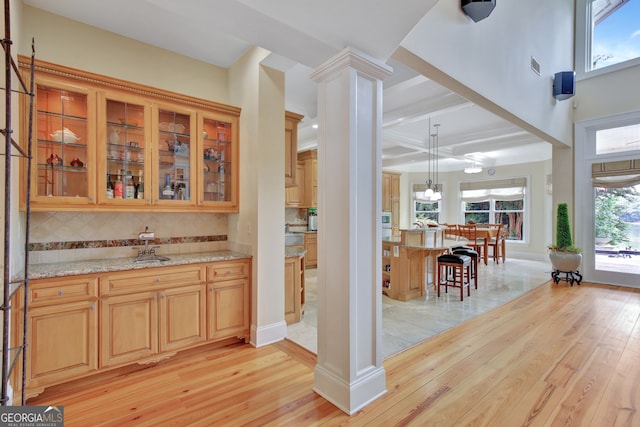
x,y
608,194
174,162
126,146
217,166
63,152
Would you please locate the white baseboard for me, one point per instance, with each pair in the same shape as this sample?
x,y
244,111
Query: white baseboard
x,y
268,334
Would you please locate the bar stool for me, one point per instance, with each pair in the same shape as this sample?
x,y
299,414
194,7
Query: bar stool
x,y
465,250
456,273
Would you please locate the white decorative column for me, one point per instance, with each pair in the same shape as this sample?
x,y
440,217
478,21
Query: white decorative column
x,y
349,371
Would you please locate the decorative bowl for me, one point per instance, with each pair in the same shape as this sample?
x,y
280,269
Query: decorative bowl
x,y
65,136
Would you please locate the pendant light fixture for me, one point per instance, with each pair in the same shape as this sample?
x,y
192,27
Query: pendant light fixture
x,y
433,193
473,168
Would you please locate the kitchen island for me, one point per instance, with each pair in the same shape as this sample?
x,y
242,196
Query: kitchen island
x,y
408,264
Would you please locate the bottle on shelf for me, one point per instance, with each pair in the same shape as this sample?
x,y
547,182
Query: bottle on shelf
x,y
167,192
109,187
140,186
130,188
118,188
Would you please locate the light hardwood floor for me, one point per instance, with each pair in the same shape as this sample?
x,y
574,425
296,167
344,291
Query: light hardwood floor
x,y
558,355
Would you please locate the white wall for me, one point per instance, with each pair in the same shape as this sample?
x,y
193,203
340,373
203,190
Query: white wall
x,y
489,62
608,94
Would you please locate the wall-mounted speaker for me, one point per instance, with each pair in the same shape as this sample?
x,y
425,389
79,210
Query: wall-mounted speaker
x,y
478,9
564,84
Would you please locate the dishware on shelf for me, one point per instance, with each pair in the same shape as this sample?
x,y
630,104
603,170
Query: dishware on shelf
x,y
76,162
114,138
54,160
65,136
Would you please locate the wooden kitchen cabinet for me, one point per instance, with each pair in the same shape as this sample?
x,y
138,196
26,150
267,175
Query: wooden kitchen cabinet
x,y
217,161
228,299
391,199
86,324
294,196
63,168
293,289
183,317
141,308
311,245
291,121
128,328
93,134
310,161
62,331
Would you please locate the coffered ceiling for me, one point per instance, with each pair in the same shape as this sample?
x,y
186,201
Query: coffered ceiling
x,y
301,38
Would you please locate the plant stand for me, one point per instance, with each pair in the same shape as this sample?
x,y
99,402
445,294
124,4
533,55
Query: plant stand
x,y
569,276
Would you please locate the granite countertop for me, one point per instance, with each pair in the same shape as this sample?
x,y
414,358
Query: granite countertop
x,y
292,251
42,271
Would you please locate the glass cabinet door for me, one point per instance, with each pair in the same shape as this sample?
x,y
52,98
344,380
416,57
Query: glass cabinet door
x,y
125,144
62,152
174,156
217,165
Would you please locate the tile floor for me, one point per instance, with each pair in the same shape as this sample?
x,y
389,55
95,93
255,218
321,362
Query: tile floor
x,y
405,324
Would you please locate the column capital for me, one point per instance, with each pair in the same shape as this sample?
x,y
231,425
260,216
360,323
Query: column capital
x,y
352,58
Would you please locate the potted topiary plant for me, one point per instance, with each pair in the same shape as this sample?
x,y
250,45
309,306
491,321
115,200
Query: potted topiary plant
x,y
565,258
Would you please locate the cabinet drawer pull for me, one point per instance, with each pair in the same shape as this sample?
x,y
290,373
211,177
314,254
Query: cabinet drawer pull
x,y
163,296
60,292
210,289
93,307
158,280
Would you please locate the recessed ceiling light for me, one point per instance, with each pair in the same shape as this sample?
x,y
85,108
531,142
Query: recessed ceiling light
x,y
315,126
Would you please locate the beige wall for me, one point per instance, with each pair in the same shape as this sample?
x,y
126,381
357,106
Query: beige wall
x,y
73,44
538,229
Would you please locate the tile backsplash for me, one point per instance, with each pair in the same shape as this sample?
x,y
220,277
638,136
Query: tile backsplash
x,y
75,236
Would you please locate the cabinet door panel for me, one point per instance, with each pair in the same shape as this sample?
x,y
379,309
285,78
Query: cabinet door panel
x,y
124,150
64,149
182,317
129,328
292,297
228,308
63,342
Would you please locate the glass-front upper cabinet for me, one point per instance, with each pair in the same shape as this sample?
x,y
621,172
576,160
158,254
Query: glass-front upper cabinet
x,y
63,168
218,160
174,162
123,130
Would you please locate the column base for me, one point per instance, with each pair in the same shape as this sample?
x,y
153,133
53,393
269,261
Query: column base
x,y
350,398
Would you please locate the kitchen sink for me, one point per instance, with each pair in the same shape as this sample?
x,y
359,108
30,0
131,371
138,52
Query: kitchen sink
x,y
294,239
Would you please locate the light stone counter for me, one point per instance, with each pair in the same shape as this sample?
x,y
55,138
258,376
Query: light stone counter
x,y
293,252
42,271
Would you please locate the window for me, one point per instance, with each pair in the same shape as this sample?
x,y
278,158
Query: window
x,y
618,139
607,33
499,202
424,209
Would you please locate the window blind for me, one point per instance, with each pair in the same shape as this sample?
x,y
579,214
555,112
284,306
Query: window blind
x,y
623,173
502,189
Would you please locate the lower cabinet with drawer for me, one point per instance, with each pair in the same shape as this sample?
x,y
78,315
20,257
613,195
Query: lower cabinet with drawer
x,y
62,328
80,325
144,313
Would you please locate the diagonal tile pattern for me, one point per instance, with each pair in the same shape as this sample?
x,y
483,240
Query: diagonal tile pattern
x,y
405,324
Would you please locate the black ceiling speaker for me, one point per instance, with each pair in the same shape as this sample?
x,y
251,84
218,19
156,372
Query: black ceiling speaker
x,y
478,9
